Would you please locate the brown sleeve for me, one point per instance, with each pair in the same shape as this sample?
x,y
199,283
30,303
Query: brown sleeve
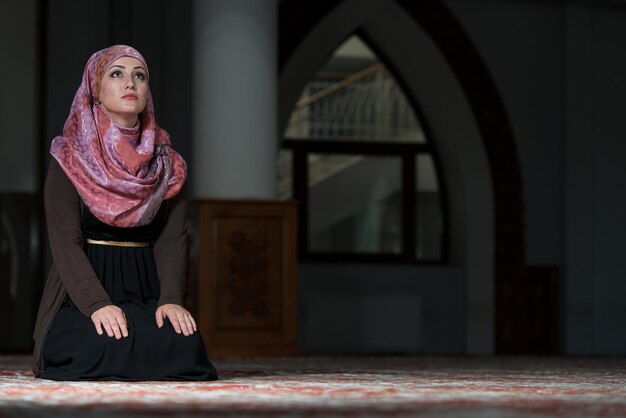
x,y
170,252
65,233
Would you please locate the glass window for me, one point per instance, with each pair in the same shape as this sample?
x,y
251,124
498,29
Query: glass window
x,y
355,204
356,157
354,97
284,168
429,216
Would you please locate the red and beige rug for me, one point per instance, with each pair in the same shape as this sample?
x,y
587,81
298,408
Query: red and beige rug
x,y
338,387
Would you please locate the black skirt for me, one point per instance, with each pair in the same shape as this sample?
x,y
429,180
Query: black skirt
x,y
73,350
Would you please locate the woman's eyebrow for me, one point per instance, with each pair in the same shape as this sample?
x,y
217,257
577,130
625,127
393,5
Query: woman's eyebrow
x,y
121,66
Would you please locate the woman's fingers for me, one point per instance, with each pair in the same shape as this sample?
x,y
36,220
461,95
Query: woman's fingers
x,y
121,320
180,318
112,320
108,328
119,327
171,315
159,317
190,324
183,323
116,330
98,326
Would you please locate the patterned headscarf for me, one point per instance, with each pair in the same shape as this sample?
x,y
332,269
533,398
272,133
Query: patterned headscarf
x,y
122,174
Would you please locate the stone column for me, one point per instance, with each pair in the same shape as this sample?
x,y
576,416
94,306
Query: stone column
x,y
235,99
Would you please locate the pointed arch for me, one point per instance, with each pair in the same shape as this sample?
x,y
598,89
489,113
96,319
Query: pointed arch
x,y
470,130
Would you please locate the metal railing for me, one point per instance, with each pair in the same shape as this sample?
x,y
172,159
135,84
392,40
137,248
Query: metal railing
x,y
368,105
364,106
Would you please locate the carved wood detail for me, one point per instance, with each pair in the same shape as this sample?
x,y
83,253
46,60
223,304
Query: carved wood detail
x,y
247,276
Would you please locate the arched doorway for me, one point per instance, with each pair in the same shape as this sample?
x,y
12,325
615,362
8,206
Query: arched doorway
x,y
442,72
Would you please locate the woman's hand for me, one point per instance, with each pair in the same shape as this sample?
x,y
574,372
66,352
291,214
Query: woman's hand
x,y
181,319
112,319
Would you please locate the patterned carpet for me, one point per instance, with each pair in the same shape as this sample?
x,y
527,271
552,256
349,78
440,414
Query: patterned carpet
x,y
339,387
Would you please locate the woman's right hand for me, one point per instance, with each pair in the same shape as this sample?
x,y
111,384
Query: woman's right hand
x,y
112,319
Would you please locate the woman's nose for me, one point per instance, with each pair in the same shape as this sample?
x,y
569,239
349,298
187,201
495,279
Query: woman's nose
x,y
130,83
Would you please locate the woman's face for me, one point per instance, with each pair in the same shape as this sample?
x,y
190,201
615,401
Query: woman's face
x,y
124,90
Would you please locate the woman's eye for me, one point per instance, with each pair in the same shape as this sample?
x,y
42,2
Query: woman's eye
x,y
116,73
140,76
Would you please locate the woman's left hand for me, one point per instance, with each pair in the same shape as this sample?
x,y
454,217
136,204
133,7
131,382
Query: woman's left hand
x,y
179,317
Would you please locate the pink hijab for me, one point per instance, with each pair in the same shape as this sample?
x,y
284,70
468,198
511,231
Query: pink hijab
x,y
122,174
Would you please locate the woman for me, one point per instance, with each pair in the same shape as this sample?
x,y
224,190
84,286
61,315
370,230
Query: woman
x,y
112,305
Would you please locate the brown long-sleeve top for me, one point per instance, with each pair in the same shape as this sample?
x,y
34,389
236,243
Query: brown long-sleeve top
x,y
71,272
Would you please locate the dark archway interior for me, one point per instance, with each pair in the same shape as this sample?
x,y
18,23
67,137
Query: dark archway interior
x,y
526,305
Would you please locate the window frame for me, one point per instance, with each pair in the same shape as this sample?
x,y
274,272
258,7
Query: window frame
x,y
407,153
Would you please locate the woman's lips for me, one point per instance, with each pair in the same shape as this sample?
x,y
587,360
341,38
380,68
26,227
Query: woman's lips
x,y
130,97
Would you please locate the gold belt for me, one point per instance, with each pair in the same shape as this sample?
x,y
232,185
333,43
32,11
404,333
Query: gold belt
x,y
118,243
